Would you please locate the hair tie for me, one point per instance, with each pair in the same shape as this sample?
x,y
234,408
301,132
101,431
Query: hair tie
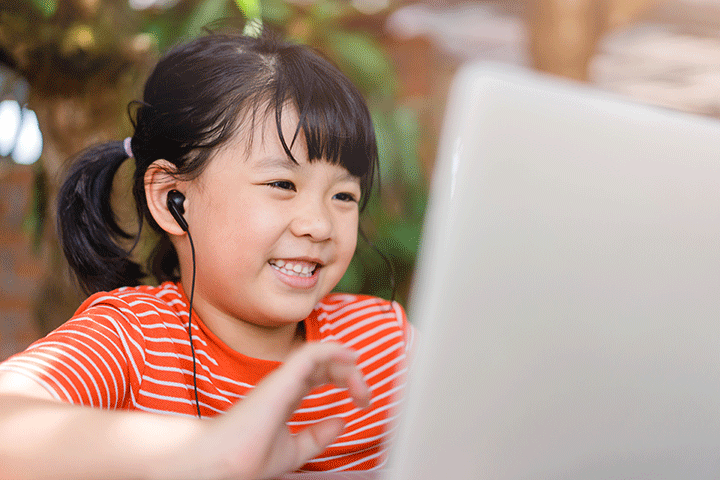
x,y
128,149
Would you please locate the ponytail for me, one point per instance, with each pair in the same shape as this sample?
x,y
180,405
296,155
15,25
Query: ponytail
x,y
88,229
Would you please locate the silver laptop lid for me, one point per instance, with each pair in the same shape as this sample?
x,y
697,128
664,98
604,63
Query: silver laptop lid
x,y
568,289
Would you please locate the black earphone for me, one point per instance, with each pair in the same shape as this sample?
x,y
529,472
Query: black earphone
x,y
175,205
175,201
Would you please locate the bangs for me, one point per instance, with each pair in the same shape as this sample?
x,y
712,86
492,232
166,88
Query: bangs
x,y
332,115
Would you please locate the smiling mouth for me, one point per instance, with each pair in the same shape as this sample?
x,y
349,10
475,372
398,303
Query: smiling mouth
x,y
295,268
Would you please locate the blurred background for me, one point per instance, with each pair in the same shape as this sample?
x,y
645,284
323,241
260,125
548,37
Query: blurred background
x,y
68,69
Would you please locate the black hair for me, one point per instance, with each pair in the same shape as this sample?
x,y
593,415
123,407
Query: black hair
x,y
194,102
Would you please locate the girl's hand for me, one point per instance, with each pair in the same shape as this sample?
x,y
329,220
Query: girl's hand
x,y
252,440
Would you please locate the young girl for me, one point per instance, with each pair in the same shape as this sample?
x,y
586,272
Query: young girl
x,y
253,159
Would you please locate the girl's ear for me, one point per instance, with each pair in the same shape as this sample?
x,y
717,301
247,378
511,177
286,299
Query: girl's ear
x,y
159,180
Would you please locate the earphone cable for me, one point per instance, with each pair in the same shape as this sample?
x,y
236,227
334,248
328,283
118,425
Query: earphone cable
x,y
190,335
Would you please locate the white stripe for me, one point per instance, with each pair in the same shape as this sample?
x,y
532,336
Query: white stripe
x,y
362,460
98,328
385,365
339,300
345,308
170,289
199,352
151,302
332,323
200,379
182,327
332,391
174,354
51,370
369,305
186,401
182,371
326,458
65,353
147,313
102,359
327,406
375,319
229,395
374,412
162,412
102,299
361,441
299,423
229,380
388,393
123,335
379,423
165,368
388,379
165,383
372,333
186,387
135,325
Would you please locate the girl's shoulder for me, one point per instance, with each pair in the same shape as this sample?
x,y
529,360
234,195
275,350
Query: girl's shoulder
x,y
339,312
339,304
164,300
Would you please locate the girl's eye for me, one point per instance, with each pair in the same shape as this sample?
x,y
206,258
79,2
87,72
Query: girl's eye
x,y
283,185
345,197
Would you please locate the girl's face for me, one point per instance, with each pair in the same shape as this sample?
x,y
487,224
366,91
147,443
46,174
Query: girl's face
x,y
272,237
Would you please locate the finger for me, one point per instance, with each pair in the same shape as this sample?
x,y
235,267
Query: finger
x,y
349,376
333,363
313,440
279,394
314,365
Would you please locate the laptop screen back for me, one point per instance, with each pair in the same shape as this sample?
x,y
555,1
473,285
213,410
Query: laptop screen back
x,y
567,291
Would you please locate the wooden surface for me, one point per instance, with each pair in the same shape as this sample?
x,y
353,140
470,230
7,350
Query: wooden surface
x,y
564,34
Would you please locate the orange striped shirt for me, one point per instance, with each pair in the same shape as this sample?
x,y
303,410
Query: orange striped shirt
x,y
129,349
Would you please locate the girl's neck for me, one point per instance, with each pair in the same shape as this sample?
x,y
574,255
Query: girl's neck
x,y
257,341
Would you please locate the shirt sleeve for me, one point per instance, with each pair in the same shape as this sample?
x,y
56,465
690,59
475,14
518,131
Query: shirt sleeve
x,y
94,359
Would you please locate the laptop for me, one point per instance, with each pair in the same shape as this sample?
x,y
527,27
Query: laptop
x,y
567,290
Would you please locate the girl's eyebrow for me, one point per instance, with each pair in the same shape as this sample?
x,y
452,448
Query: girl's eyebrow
x,y
285,163
270,163
347,177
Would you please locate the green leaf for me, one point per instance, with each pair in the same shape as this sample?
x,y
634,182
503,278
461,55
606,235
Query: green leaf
x,y
326,11
204,14
34,221
46,7
364,61
276,11
386,143
250,8
352,280
407,137
252,11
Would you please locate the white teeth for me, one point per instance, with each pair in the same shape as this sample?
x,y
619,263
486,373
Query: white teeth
x,y
293,269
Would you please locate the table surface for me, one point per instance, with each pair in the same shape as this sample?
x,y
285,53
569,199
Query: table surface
x,y
353,475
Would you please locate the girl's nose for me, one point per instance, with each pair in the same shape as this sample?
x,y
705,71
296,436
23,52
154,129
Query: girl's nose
x,y
313,221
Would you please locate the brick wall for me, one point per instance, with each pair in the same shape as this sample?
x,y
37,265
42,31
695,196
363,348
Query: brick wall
x,y
21,270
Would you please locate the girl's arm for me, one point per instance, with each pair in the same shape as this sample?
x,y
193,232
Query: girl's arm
x,y
42,438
